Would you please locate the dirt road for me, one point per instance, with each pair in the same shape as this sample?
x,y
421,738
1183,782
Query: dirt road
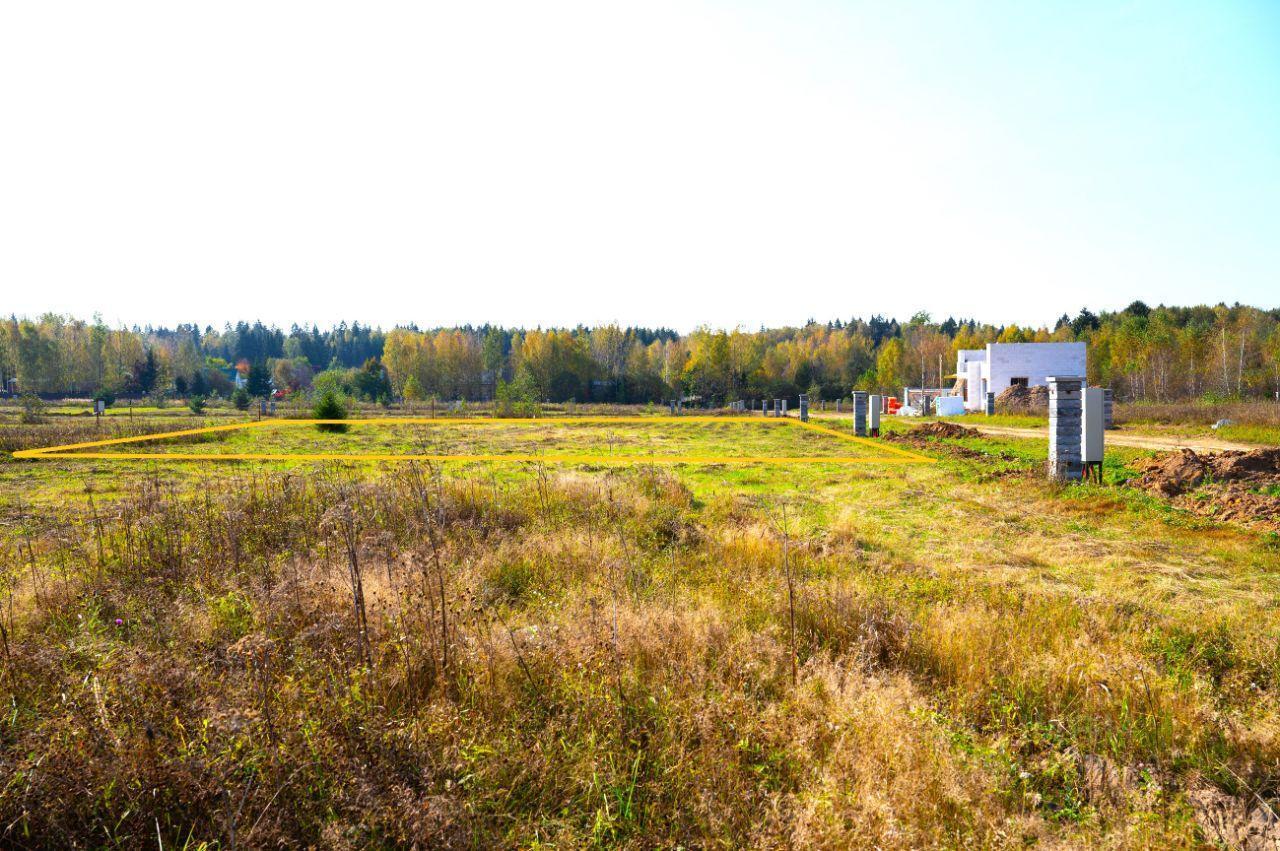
x,y
1121,438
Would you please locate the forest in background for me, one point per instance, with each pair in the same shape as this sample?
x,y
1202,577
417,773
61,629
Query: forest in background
x,y
1157,354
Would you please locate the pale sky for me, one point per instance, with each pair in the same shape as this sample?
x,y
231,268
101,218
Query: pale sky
x,y
650,163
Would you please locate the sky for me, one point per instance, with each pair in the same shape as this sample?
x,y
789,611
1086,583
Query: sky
x,y
651,163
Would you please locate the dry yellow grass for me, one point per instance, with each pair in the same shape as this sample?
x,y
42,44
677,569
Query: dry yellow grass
x,y
576,657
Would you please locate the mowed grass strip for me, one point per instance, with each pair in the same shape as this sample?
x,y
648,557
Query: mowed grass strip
x,y
709,439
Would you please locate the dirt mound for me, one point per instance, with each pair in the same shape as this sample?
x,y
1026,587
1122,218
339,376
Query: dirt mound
x,y
1173,473
943,429
1023,400
1257,464
1230,486
926,437
1237,504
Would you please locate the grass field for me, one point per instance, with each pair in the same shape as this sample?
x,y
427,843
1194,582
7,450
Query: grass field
x,y
569,654
599,439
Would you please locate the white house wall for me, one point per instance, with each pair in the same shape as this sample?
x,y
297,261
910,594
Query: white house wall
x,y
1005,361
1033,361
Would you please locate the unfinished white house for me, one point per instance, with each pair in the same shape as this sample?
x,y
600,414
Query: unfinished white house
x,y
1002,365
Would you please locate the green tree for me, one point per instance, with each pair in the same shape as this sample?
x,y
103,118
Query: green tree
x,y
241,399
412,390
144,374
372,382
890,365
494,353
258,382
329,406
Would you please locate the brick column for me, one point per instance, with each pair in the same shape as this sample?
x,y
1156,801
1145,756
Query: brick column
x,y
1065,423
860,413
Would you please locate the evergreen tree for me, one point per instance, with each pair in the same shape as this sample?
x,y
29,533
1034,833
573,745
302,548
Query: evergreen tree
x,y
330,407
258,381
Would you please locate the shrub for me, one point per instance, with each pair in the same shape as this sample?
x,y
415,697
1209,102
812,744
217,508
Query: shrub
x,y
32,409
517,399
329,406
196,404
240,398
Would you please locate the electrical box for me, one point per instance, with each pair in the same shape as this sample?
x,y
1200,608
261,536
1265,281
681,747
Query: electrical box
x,y
1093,425
99,406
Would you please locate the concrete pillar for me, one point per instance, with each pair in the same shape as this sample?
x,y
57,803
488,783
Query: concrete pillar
x,y
804,408
784,407
1065,422
672,403
1108,406
989,404
873,414
860,413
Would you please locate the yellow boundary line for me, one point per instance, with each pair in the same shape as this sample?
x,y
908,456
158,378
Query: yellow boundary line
x,y
71,450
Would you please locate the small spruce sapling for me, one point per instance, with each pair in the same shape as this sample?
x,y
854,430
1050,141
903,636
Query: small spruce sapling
x,y
329,407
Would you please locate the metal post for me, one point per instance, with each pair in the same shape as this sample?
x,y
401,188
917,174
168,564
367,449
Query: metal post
x,y
1093,431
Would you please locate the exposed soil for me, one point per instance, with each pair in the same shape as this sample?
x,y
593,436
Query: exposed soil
x,y
1173,473
1023,400
1136,441
927,435
942,428
1223,485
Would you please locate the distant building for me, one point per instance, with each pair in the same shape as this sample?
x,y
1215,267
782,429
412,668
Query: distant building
x,y
1003,365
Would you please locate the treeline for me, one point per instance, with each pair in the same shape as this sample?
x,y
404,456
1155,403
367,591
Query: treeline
x,y
1158,354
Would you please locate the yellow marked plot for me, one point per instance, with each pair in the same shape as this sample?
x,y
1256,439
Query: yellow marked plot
x,y
628,440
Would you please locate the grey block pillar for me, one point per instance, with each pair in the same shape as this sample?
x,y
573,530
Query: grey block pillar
x,y
784,407
1065,425
860,413
1108,406
873,414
